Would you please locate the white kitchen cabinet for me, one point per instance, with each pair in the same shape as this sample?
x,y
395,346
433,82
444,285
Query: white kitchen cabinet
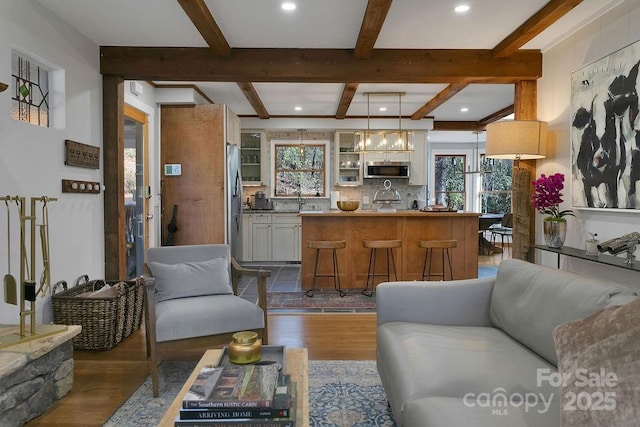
x,y
261,236
252,156
285,237
232,127
387,156
418,174
247,240
271,237
348,165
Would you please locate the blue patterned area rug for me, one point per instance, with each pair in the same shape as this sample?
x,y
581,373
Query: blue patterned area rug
x,y
342,393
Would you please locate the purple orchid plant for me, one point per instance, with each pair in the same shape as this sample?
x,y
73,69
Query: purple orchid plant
x,y
546,197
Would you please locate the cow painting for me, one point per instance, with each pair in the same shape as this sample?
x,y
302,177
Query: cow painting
x,y
606,134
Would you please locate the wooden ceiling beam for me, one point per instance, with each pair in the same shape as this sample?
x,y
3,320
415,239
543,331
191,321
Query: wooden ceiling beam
x,y
500,114
182,86
372,21
438,100
533,26
319,65
444,125
348,92
203,20
254,99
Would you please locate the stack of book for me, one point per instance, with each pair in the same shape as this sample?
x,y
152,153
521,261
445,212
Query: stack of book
x,y
240,395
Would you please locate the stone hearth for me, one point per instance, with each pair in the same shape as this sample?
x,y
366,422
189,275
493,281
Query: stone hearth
x,y
34,374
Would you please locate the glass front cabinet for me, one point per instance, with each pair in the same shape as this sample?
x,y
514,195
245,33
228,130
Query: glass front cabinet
x,y
251,157
348,161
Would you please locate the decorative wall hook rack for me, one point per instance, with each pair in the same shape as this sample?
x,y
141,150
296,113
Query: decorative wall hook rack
x,y
77,186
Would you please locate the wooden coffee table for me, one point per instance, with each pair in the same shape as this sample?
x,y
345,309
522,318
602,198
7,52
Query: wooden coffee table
x,y
296,364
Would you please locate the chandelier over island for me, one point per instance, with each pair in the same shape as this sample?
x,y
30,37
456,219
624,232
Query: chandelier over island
x,y
385,139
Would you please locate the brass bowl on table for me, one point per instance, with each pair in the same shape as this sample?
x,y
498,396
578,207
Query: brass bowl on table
x,y
348,205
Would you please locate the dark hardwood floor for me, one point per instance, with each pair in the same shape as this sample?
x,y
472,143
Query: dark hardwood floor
x,y
104,380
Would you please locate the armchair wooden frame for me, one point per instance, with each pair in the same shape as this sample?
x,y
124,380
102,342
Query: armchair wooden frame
x,y
194,348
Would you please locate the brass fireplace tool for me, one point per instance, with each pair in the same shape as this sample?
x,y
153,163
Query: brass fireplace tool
x,y
27,281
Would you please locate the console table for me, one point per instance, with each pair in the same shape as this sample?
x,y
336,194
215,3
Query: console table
x,y
581,253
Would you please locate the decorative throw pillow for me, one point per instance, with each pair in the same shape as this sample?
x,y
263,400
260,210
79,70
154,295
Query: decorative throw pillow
x,y
600,367
191,279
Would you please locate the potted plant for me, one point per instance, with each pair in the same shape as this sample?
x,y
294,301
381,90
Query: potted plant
x,y
546,199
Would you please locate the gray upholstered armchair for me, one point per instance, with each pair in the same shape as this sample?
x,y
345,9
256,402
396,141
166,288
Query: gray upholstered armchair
x,y
191,303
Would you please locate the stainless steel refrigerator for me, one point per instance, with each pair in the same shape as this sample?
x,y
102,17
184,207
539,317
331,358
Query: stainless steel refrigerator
x,y
234,201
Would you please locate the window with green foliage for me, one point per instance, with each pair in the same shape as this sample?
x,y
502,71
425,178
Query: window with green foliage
x,y
449,181
495,196
300,170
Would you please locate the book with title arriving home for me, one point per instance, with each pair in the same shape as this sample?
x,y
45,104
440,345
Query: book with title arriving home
x,y
240,386
242,417
282,401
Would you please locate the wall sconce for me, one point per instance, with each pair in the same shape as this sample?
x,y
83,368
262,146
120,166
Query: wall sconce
x,y
518,140
3,87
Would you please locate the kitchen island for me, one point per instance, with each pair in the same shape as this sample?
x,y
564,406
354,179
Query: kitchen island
x,y
409,226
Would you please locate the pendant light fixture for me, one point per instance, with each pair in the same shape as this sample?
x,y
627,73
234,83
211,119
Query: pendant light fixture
x,y
301,145
476,157
383,140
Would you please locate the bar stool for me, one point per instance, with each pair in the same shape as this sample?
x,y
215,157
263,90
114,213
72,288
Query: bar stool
x,y
326,244
444,246
371,270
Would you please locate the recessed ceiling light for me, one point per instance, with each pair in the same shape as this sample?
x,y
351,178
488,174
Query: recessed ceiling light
x,y
297,108
383,108
464,109
462,8
288,6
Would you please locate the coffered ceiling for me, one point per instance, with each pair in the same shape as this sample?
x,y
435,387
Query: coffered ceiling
x,y
323,56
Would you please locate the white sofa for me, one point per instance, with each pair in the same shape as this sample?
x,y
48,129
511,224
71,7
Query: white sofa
x,y
461,353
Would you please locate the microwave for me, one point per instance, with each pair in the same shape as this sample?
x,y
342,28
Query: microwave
x,y
387,169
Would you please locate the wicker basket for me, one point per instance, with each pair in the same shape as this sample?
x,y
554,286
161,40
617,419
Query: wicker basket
x,y
105,321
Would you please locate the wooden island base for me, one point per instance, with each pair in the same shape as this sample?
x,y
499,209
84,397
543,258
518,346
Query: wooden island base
x,y
408,226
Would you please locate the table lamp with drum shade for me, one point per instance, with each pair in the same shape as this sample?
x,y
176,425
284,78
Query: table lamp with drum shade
x,y
518,140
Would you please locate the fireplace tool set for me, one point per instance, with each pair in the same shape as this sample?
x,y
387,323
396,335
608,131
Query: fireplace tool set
x,y
26,285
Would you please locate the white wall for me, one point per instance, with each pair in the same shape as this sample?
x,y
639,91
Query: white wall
x,y
32,157
612,31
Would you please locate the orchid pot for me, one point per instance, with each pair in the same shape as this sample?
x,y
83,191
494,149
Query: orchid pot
x,y
555,231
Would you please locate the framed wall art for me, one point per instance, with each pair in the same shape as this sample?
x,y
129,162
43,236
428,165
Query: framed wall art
x,y
605,132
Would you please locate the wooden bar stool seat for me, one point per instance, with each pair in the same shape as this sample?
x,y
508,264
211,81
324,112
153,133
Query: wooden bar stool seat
x,y
443,246
326,244
371,270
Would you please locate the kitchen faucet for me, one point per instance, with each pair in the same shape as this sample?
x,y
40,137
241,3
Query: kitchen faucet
x,y
301,200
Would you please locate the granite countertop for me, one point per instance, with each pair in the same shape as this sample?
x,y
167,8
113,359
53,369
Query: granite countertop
x,y
271,211
399,213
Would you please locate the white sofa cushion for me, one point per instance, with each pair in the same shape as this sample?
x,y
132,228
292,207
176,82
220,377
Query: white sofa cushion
x,y
203,316
191,279
529,301
457,412
423,360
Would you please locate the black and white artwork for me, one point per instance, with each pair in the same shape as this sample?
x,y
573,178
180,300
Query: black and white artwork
x,y
605,132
